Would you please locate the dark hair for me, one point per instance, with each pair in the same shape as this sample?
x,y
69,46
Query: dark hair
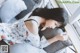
x,y
55,14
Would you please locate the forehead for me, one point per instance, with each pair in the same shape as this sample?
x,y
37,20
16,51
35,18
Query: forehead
x,y
55,22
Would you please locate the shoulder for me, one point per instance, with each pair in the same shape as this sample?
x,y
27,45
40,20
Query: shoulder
x,y
32,27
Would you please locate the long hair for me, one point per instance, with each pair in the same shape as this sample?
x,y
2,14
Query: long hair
x,y
58,14
54,14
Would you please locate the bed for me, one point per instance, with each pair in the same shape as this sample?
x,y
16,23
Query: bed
x,y
25,13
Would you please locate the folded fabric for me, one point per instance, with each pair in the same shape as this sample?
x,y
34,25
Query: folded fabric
x,y
11,8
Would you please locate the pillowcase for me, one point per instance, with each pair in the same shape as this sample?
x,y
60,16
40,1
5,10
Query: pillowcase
x,y
11,8
1,2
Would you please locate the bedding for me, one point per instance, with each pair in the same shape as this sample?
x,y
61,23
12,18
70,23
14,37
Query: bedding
x,y
47,48
30,4
33,4
11,8
1,2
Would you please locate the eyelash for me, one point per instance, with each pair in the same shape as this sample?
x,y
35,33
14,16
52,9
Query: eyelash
x,y
56,25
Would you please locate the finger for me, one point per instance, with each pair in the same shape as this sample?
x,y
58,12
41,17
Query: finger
x,y
53,27
43,28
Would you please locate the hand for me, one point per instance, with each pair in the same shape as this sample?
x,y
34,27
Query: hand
x,y
61,37
50,24
58,37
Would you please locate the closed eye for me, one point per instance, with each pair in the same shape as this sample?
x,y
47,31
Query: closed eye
x,y
57,24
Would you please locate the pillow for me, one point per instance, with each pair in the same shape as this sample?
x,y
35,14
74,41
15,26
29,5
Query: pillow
x,y
56,46
11,8
1,2
30,5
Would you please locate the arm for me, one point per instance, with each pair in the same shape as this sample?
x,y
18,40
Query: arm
x,y
56,38
45,42
32,27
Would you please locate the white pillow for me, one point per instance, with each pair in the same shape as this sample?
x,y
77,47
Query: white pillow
x,y
11,8
1,2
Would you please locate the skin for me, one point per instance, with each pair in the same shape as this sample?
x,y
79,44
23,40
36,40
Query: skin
x,y
46,24
32,25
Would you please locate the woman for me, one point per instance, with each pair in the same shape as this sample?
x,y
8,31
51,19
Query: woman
x,y
26,32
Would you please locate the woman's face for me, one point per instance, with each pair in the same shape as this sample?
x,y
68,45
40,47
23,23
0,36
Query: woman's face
x,y
51,24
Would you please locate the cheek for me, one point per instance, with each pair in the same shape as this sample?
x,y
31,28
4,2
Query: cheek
x,y
53,25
